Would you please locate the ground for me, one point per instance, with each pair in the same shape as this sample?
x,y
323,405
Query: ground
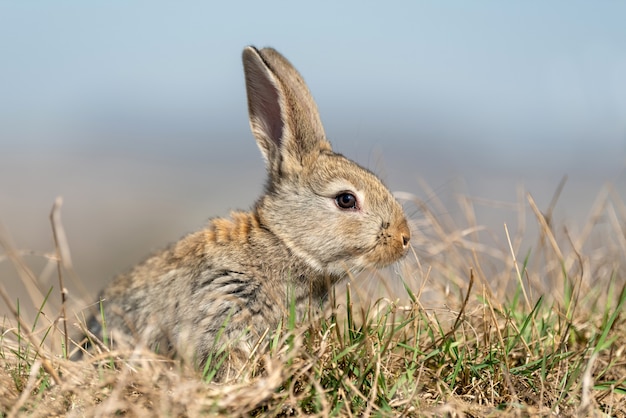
x,y
477,329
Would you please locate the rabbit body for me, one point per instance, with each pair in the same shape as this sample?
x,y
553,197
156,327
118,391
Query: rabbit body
x,y
322,217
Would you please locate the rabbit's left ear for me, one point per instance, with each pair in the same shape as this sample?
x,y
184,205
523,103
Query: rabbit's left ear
x,y
283,115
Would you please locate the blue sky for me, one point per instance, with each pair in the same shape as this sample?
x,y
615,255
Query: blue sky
x,y
495,78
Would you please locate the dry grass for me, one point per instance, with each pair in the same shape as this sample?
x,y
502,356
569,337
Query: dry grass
x,y
485,328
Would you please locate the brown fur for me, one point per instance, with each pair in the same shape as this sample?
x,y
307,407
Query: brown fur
x,y
235,278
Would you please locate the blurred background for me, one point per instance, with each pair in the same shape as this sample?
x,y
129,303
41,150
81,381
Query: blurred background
x,y
135,113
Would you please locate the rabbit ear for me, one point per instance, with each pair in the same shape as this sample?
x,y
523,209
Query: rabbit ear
x,y
283,116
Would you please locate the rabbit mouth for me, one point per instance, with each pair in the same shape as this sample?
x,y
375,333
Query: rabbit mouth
x,y
381,255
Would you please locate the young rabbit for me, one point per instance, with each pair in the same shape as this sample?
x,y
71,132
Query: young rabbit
x,y
321,218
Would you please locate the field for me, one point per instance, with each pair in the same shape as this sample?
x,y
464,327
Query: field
x,y
527,322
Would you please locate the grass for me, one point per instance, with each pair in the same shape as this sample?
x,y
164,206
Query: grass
x,y
484,327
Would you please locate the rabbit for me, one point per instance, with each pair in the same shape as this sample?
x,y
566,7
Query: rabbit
x,y
321,218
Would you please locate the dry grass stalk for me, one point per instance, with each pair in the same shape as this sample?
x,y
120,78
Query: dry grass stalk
x,y
480,330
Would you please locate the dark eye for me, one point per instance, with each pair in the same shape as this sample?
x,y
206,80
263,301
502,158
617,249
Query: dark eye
x,y
346,201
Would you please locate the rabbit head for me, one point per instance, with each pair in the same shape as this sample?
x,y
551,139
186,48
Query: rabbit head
x,y
329,211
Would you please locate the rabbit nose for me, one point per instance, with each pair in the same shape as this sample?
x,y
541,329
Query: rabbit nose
x,y
405,234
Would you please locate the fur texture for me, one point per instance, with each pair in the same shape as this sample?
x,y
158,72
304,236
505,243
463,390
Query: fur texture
x,y
321,218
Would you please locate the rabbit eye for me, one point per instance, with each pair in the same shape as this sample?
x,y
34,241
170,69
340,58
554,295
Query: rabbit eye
x,y
346,201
